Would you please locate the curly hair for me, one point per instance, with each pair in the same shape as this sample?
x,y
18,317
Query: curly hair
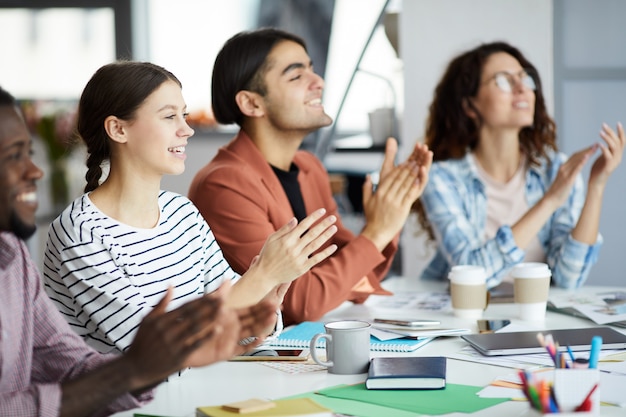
x,y
450,131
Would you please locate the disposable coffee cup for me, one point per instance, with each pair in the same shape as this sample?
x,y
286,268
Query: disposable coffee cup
x,y
468,291
531,284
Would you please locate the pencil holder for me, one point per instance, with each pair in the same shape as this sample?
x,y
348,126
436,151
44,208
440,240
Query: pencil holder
x,y
571,388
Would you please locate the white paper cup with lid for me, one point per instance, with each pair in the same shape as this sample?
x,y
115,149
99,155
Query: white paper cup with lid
x,y
531,283
468,291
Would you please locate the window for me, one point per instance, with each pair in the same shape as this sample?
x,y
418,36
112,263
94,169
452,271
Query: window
x,y
55,47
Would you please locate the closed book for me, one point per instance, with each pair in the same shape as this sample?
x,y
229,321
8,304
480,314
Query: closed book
x,y
425,372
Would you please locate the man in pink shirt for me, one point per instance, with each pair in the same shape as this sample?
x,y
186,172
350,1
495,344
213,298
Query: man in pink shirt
x,y
45,368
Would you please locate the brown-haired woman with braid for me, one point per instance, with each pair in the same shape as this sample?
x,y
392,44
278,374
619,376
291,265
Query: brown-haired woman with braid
x,y
114,252
500,192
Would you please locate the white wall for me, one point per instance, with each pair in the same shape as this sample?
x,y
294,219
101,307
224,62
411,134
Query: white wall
x,y
434,31
590,69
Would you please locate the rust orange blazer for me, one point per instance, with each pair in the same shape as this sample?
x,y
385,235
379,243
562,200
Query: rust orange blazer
x,y
243,201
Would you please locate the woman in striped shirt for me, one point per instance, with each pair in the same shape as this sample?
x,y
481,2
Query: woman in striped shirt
x,y
112,254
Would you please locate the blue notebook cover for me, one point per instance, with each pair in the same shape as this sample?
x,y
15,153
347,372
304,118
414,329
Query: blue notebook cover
x,y
300,336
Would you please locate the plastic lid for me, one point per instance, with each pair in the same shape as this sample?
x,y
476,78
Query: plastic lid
x,y
531,270
467,274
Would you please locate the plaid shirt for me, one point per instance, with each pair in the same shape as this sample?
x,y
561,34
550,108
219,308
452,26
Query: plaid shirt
x,y
456,205
38,350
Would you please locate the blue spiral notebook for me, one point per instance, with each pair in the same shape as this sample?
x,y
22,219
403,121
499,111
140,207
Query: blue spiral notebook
x,y
300,336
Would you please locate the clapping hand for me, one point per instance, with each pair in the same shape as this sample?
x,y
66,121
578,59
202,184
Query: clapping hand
x,y
602,168
399,187
199,333
292,250
566,176
610,157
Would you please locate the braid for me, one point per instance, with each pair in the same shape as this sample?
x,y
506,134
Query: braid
x,y
94,164
94,172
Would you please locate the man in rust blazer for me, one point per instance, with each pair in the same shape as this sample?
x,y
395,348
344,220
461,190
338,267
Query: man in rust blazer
x,y
264,81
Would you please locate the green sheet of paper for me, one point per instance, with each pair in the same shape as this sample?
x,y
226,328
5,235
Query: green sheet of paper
x,y
454,398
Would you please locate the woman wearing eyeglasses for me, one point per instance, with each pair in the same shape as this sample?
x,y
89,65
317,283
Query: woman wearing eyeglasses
x,y
499,192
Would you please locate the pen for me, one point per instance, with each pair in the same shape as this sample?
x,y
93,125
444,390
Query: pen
x,y
571,354
557,359
596,345
524,378
534,397
546,342
586,404
554,405
544,396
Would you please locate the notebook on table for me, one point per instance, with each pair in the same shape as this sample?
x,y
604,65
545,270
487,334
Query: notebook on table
x,y
414,372
300,336
519,343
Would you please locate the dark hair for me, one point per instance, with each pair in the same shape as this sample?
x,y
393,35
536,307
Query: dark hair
x,y
449,129
241,65
116,89
6,99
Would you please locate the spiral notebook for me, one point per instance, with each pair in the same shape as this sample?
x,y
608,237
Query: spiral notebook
x,y
300,336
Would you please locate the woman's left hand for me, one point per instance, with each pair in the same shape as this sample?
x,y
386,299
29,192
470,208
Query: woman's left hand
x,y
611,155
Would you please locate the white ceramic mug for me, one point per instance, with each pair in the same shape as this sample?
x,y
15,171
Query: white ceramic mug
x,y
531,282
381,124
347,347
468,291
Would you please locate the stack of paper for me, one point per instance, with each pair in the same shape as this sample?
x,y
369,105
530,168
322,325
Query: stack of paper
x,y
385,331
606,307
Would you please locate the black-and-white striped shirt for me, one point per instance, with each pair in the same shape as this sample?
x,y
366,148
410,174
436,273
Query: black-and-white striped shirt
x,y
104,276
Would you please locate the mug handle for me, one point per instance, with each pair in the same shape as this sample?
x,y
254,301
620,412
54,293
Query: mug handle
x,y
313,350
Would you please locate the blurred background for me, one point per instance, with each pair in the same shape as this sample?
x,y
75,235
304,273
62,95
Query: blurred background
x,y
380,59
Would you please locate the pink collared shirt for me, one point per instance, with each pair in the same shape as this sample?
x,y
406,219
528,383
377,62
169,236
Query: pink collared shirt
x,y
38,350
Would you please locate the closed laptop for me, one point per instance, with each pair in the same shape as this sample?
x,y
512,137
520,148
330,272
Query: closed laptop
x,y
519,343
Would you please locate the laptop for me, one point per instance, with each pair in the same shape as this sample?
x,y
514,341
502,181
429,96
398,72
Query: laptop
x,y
519,343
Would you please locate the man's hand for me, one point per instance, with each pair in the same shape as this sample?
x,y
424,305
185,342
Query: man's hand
x,y
201,332
399,187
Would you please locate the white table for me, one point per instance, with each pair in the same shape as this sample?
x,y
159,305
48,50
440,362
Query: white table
x,y
235,381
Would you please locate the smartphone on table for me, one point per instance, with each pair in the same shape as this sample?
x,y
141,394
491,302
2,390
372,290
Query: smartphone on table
x,y
490,326
408,323
273,355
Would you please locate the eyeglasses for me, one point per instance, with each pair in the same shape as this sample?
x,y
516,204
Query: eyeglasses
x,y
507,81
